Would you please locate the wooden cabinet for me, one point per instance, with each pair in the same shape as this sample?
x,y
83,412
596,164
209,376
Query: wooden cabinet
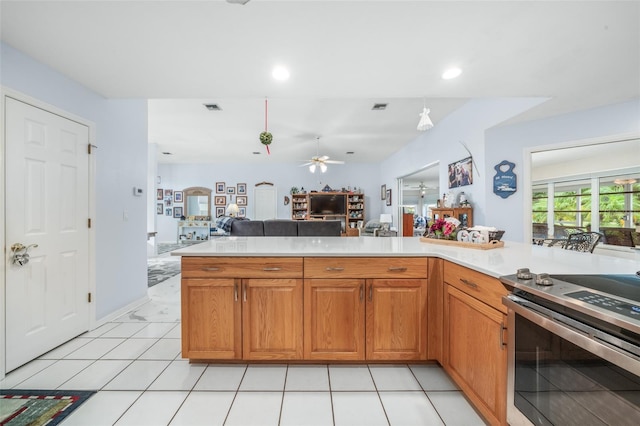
x,y
380,317
334,319
272,319
396,323
463,214
299,206
355,209
211,319
242,308
350,213
475,353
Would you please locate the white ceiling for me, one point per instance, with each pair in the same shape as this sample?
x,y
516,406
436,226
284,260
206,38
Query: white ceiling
x,y
344,56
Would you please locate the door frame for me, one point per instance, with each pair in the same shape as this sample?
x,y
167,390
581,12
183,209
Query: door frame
x,y
5,93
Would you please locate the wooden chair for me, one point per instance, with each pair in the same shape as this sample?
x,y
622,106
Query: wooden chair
x,y
582,241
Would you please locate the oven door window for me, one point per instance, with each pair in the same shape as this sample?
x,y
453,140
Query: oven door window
x,y
559,383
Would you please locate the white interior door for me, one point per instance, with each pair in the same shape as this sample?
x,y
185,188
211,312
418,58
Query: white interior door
x,y
265,203
47,204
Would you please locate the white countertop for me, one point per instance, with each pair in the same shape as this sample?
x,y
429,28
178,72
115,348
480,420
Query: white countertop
x,y
494,262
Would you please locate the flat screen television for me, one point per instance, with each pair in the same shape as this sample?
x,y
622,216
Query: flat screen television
x,y
328,204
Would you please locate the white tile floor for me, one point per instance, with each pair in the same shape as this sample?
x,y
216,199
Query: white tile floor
x,y
134,363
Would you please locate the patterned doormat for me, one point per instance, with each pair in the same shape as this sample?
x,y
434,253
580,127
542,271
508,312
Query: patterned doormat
x,y
19,407
160,269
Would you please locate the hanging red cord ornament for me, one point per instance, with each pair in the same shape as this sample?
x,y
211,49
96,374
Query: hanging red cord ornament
x,y
265,137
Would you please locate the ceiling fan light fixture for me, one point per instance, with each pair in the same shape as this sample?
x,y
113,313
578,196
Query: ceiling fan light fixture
x,y
323,167
312,168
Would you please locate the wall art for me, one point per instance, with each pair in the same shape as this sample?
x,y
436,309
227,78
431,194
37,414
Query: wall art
x,y
220,188
242,188
461,173
505,182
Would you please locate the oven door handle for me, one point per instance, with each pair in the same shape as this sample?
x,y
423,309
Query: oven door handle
x,y
604,345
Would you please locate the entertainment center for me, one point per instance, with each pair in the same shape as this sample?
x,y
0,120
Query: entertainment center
x,y
348,207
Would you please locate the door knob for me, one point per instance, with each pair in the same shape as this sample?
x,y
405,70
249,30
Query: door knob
x,y
21,253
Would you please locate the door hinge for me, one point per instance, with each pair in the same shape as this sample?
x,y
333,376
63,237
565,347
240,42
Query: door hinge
x,y
89,149
89,297
89,223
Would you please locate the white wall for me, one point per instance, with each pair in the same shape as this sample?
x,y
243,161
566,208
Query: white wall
x,y
283,176
121,159
513,142
442,143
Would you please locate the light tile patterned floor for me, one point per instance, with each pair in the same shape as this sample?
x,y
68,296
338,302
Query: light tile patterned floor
x,y
134,363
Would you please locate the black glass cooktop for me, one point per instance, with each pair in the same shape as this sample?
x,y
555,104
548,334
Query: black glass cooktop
x,y
623,285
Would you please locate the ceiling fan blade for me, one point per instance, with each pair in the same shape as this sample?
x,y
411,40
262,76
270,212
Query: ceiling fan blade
x,y
334,162
306,164
323,158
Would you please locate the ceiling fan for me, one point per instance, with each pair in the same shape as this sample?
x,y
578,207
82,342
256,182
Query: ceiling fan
x,y
319,161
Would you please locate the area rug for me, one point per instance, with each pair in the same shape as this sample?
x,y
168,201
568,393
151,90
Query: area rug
x,y
160,269
20,407
167,247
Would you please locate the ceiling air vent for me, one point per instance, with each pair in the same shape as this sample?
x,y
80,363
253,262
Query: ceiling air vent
x,y
379,107
213,107
167,153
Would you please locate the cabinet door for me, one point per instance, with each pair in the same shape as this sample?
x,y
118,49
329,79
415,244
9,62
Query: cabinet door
x,y
334,319
211,319
396,320
272,319
475,354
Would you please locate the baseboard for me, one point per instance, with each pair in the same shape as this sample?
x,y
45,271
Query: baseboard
x,y
118,313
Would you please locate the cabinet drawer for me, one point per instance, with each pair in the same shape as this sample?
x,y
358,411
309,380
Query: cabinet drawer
x,y
241,267
365,267
483,287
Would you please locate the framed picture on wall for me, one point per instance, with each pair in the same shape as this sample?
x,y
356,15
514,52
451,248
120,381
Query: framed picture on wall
x,y
177,196
242,212
169,211
461,173
177,212
231,189
219,211
383,192
219,187
242,188
159,208
220,200
168,193
241,200
388,197
159,194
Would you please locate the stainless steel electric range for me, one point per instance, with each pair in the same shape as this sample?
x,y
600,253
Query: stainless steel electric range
x,y
574,349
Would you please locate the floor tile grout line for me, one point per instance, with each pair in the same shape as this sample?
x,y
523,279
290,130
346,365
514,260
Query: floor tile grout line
x,y
375,385
284,387
246,367
427,396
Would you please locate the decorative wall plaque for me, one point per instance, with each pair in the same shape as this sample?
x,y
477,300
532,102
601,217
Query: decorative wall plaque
x,y
505,181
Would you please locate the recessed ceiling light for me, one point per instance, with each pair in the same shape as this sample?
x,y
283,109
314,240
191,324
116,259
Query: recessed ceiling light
x,y
379,107
451,73
280,73
213,107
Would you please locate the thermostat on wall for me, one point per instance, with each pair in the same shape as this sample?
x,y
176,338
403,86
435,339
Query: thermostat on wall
x,y
138,191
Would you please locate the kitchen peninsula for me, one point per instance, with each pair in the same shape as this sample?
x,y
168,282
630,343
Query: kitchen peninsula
x,y
333,299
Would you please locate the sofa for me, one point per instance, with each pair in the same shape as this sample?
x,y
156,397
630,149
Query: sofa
x,y
286,228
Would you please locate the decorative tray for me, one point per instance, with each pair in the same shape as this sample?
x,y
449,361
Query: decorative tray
x,y
485,246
